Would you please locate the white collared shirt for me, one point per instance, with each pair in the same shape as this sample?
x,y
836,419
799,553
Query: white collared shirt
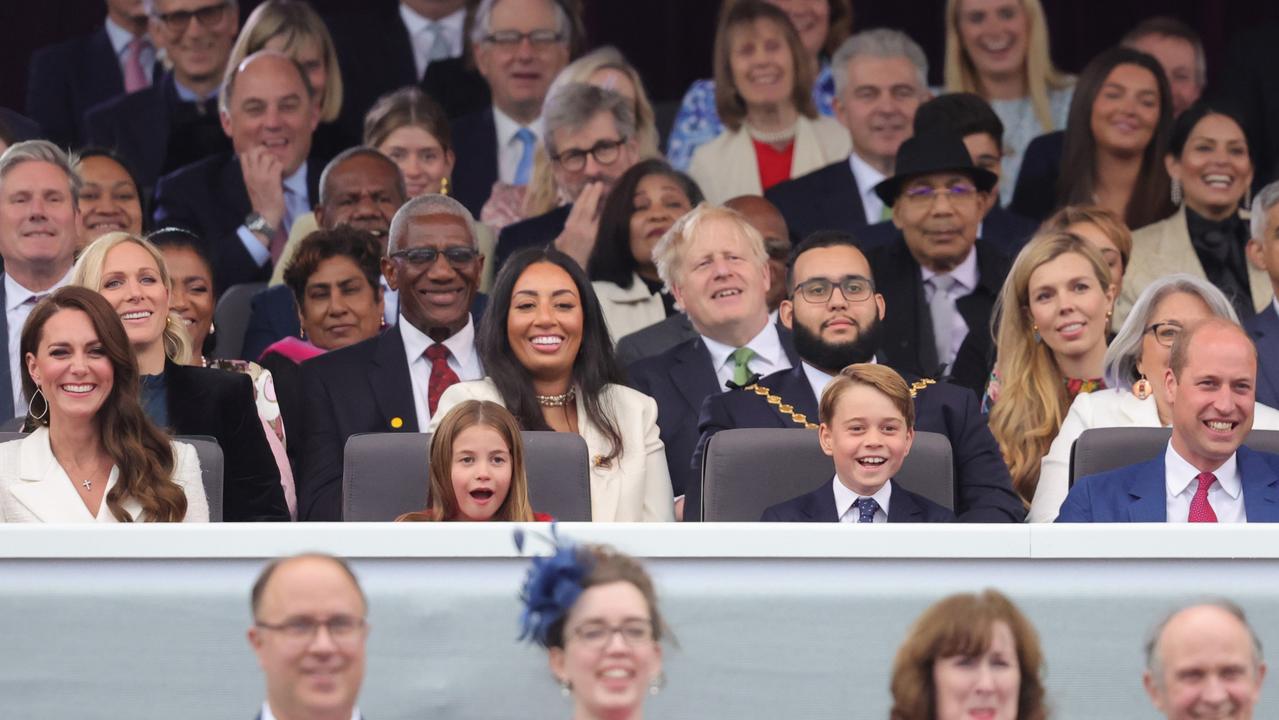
x,y
268,715
16,311
769,355
421,37
120,39
1275,304
510,149
296,204
844,499
463,360
390,301
867,177
818,379
965,275
1225,496
186,94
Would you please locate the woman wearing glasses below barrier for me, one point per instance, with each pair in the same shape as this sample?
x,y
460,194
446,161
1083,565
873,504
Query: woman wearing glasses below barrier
x,y
1134,370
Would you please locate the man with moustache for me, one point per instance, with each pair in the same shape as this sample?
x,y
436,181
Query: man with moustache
x,y
837,319
1204,661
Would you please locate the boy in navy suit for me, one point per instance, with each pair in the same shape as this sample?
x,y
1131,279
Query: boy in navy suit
x,y
867,427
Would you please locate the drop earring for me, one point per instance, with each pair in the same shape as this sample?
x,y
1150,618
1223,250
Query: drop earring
x,y
1175,192
1142,388
1038,338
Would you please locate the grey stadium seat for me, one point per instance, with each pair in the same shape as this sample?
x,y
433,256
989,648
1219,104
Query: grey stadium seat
x,y
1100,449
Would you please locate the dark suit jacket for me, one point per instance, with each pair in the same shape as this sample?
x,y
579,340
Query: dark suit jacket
x,y
819,506
20,127
1254,93
908,327
1138,493
533,232
983,487
376,57
680,380
459,89
475,145
209,199
824,199
655,339
1035,195
1001,229
7,411
1264,329
204,401
358,389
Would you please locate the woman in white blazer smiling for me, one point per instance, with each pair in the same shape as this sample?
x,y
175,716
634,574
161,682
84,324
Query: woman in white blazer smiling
x,y
549,361
93,455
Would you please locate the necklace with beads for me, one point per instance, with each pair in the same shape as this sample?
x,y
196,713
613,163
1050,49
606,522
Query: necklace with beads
x,y
557,400
771,137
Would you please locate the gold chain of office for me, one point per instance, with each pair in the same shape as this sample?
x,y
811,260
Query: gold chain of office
x,y
800,418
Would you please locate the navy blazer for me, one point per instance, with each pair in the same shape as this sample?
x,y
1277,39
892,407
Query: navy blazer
x,y
1264,329
20,127
1035,195
1003,230
475,145
1139,493
819,506
824,199
457,87
983,487
373,47
655,339
534,232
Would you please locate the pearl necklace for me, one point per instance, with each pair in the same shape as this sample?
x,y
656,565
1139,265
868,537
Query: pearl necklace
x,y
772,137
557,400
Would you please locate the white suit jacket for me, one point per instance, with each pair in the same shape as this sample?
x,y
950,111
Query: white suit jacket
x,y
1102,409
628,310
637,485
35,488
727,167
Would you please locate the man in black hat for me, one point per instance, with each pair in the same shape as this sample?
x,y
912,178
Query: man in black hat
x,y
938,285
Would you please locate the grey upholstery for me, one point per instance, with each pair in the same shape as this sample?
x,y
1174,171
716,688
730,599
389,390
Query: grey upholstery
x,y
385,475
1101,449
746,471
231,318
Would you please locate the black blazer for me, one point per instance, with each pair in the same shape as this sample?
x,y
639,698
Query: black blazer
x,y
475,145
819,506
983,487
1254,93
209,199
376,55
1001,229
824,199
655,339
358,389
533,232
1264,329
1035,195
204,401
20,126
907,344
458,89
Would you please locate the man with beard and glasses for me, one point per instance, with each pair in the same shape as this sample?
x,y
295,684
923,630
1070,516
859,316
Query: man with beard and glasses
x,y
835,316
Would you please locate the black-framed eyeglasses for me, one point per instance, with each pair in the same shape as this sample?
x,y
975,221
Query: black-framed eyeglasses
x,y
605,152
343,629
208,16
598,634
1165,332
458,257
854,288
510,39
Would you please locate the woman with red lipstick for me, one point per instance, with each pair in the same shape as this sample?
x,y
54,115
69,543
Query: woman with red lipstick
x,y
1050,322
644,204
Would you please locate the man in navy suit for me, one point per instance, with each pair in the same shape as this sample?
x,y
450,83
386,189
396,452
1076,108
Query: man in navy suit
x,y
1263,250
292,599
836,318
1206,474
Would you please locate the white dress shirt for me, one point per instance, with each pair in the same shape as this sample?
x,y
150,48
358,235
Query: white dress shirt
x,y
867,177
509,148
965,275
1225,496
16,311
390,301
296,204
268,715
844,499
463,360
422,35
769,355
818,379
120,39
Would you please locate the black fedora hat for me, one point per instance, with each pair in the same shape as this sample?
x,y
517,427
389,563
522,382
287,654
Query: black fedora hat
x,y
935,152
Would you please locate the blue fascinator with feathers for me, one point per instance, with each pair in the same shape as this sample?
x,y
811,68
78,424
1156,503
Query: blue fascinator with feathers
x,y
553,584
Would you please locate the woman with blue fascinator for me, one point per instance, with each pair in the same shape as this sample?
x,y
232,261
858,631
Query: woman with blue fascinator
x,y
595,611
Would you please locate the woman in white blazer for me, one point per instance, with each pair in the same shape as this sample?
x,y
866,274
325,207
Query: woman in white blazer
x,y
94,456
763,77
1134,370
549,361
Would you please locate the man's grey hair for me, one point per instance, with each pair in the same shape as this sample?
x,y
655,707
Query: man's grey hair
x,y
148,6
1266,199
431,204
1120,362
1154,663
228,80
42,151
361,151
576,104
484,14
668,254
878,43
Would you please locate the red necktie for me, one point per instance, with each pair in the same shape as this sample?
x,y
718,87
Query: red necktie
x,y
442,376
1200,510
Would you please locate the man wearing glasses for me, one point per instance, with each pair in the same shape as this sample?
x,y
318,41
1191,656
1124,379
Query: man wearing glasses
x,y
174,121
309,632
590,140
392,382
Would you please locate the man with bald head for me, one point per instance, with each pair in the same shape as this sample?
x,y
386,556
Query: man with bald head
x,y
1204,661
1206,474
309,632
243,203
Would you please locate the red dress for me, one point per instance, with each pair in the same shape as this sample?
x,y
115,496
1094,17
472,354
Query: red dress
x,y
774,164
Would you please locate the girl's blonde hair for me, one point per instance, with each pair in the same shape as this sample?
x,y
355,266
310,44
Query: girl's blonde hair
x,y
296,22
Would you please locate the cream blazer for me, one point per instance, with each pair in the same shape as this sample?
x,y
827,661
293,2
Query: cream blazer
x,y
35,488
1164,248
627,310
726,167
1102,409
634,487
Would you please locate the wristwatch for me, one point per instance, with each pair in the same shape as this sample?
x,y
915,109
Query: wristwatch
x,y
258,224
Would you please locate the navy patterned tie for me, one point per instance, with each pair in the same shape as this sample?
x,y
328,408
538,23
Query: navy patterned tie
x,y
866,508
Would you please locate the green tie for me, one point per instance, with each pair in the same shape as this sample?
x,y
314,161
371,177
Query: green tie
x,y
741,370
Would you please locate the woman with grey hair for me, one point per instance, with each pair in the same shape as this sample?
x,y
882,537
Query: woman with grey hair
x,y
1134,369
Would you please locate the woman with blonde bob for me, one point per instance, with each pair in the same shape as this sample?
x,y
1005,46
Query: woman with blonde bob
x,y
1050,322
958,637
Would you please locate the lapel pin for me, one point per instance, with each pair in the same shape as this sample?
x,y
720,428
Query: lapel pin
x,y
397,423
